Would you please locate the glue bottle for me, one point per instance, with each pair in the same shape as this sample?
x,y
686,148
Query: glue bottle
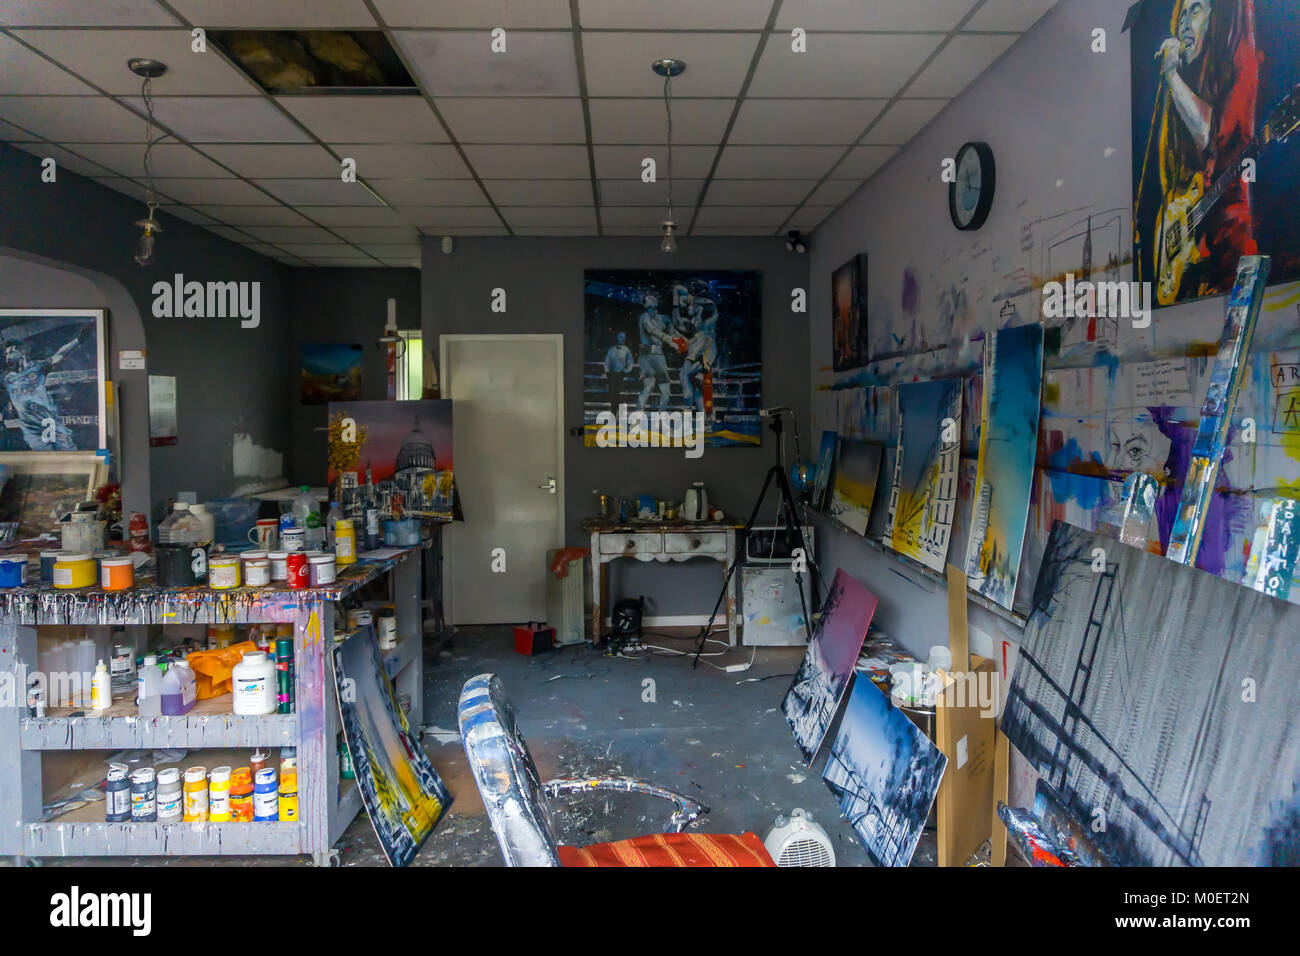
x,y
101,689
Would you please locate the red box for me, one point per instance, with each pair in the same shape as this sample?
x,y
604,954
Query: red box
x,y
533,638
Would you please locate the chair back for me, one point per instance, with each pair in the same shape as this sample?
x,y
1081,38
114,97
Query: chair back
x,y
505,774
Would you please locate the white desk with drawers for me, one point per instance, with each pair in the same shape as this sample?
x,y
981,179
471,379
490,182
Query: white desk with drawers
x,y
660,541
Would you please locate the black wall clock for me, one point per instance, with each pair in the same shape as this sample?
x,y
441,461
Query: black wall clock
x,y
970,196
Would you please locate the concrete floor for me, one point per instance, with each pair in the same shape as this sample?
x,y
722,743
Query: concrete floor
x,y
716,736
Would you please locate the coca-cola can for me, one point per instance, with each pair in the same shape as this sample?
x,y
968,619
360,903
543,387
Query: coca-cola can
x,y
296,568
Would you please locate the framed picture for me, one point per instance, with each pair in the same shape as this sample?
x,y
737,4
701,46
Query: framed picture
x,y
849,315
53,380
37,488
331,372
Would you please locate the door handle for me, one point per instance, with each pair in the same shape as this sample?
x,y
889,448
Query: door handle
x,y
548,485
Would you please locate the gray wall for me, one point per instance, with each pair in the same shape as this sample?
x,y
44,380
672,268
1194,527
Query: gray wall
x,y
342,305
230,380
543,279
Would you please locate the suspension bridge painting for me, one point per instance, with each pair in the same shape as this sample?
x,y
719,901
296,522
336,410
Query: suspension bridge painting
x,y
885,774
823,676
1158,702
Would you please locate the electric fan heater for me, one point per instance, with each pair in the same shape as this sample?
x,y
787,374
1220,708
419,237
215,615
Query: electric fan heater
x,y
798,841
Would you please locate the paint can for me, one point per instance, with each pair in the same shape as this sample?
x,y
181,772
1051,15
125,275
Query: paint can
x,y
279,570
386,631
48,558
256,554
219,795
257,574
144,796
241,795
345,541
13,571
223,573
359,617
74,570
293,539
117,794
296,575
320,569
171,801
288,760
288,802
195,795
266,796
116,574
176,566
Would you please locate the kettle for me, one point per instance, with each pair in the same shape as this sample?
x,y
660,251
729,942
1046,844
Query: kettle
x,y
696,505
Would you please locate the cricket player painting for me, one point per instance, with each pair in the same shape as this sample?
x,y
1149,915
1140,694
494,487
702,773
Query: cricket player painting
x,y
52,380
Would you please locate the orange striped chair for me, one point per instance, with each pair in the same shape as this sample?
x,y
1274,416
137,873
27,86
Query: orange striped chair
x,y
516,800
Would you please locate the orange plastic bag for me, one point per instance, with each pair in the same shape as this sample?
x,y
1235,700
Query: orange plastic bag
x,y
212,669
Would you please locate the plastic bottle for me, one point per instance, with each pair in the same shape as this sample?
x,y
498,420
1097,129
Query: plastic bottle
x,y
331,521
208,523
148,688
101,690
254,685
178,692
179,527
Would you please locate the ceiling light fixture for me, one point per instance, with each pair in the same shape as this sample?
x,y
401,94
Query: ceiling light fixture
x,y
794,241
149,70
668,67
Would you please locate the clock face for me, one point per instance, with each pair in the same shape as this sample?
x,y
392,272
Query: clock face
x,y
971,196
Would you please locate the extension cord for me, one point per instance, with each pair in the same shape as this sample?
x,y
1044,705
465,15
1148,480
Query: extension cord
x,y
737,668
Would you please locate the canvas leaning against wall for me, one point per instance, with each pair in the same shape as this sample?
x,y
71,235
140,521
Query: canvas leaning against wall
x,y
683,343
923,497
53,380
406,454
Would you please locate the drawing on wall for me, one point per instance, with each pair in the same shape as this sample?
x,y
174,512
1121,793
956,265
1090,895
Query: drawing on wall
x,y
1207,192
885,774
404,796
924,488
1272,561
675,342
53,380
407,453
331,372
825,469
819,684
856,471
1169,641
1008,446
849,345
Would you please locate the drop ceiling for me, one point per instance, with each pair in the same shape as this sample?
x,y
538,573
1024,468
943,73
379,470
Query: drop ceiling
x,y
547,138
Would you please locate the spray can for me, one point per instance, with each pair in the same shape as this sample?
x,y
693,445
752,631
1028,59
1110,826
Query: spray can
x,y
117,794
284,674
346,770
266,796
144,796
196,795
219,795
170,799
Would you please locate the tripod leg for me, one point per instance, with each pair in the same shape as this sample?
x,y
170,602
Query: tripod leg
x,y
788,497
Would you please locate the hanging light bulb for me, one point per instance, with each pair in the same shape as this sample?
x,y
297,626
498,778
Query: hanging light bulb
x,y
149,70
144,248
668,67
668,245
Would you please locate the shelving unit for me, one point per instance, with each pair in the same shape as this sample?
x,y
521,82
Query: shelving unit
x,y
325,807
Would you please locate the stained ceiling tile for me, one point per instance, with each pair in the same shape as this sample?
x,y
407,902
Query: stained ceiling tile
x,y
457,63
618,64
535,14
79,13
674,14
278,14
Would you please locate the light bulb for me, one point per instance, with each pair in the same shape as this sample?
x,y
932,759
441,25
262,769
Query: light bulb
x,y
144,248
668,245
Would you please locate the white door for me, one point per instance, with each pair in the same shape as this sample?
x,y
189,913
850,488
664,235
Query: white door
x,y
507,427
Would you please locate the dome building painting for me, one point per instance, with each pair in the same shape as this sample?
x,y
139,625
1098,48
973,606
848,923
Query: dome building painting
x,y
407,457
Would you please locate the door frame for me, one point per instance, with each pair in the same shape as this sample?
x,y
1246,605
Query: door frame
x,y
444,382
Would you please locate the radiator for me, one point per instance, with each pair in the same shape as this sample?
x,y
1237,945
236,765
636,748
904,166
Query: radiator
x,y
564,602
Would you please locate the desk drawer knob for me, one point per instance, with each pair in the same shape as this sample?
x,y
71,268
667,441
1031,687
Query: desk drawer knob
x,y
631,544
695,542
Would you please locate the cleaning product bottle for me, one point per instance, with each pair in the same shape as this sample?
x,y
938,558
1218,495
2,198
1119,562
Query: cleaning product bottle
x,y
101,689
178,693
148,692
331,522
208,522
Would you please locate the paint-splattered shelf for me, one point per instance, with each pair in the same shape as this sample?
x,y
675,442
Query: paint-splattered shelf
x,y
72,838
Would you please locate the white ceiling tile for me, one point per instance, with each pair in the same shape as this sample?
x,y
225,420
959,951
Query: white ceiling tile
x,y
254,215
224,119
842,65
1009,14
166,159
729,231
318,192
769,217
262,248
810,217
904,120
833,192
100,57
228,232
532,216
351,215
316,250
440,219
479,13
188,214
459,63
282,14
288,160
367,119
66,160
128,187
624,162
777,162
632,217
631,230
302,234
804,121
409,263
481,119
230,191
29,73
618,64
366,234
79,13
359,261
674,14
862,161
429,192
539,162
627,119
959,63
633,192
73,119
539,192
556,231
404,160
393,250
12,134
497,230
830,15
758,192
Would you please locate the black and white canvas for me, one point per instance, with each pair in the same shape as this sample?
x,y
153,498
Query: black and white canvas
x,y
53,380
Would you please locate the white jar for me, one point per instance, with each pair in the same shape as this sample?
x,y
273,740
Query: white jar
x,y
257,574
254,685
279,565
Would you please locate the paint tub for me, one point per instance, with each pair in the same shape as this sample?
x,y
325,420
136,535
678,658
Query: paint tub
x,y
321,569
279,570
178,565
116,574
386,631
256,554
117,794
13,571
219,795
253,685
144,796
288,802
74,570
345,541
257,574
241,795
359,617
171,802
48,558
223,573
195,795
266,796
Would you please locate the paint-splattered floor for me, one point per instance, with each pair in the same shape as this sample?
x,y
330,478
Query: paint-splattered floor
x,y
719,737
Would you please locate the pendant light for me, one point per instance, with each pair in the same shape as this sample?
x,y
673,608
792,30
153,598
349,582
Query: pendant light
x,y
668,67
149,70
